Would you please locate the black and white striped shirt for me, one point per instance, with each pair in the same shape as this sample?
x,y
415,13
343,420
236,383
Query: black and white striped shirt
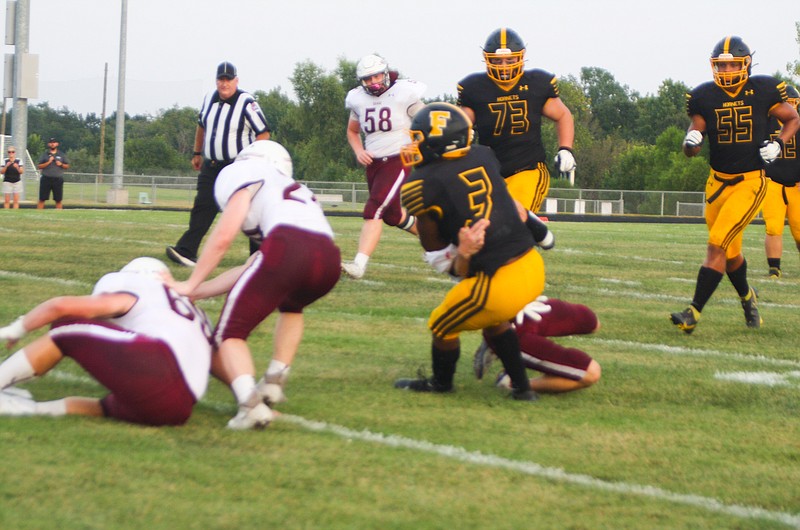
x,y
230,125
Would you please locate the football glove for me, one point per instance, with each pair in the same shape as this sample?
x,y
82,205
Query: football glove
x,y
13,332
534,310
565,160
694,138
770,151
442,260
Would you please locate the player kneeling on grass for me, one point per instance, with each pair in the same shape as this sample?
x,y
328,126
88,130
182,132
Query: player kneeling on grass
x,y
296,264
148,345
563,369
471,227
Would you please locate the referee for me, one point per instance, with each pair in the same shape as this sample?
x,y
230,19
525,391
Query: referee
x,y
229,121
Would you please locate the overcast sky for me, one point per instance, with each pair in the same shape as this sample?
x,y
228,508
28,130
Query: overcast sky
x,y
173,46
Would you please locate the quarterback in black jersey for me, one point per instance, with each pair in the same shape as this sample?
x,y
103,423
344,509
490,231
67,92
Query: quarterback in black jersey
x,y
733,112
471,227
783,194
507,104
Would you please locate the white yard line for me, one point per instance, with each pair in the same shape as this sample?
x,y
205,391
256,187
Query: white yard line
x,y
520,466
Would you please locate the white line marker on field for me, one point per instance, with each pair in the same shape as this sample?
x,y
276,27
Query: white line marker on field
x,y
528,468
760,378
531,468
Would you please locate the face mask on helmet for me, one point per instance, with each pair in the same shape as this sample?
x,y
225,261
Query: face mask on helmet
x,y
439,130
731,61
372,72
504,54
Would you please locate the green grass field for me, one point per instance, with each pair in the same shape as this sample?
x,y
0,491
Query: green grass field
x,y
677,434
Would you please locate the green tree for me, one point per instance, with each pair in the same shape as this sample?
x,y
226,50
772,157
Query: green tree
x,y
613,105
317,127
665,109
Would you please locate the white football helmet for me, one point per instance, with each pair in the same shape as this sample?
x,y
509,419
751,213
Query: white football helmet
x,y
272,152
370,65
146,265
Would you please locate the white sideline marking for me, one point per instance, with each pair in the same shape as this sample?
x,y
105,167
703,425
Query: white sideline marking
x,y
534,469
760,378
519,466
25,276
698,352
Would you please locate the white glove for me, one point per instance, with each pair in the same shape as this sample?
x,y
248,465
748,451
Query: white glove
x,y
442,260
770,151
565,160
694,138
548,242
13,331
534,310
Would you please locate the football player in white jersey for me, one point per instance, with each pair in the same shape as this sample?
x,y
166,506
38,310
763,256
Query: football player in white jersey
x,y
297,263
148,345
381,109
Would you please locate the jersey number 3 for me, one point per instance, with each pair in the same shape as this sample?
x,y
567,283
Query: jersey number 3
x,y
479,192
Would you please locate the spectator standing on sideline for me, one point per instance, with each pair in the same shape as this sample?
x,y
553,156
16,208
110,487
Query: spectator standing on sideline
x,y
53,163
783,194
12,171
149,346
229,120
507,104
381,108
733,112
296,264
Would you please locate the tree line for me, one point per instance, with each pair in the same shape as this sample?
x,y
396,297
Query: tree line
x,y
623,140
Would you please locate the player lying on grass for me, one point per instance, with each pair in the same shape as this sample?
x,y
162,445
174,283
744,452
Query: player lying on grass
x,y
148,345
563,369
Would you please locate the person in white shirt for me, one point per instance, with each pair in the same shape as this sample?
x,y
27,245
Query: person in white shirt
x,y
381,109
297,263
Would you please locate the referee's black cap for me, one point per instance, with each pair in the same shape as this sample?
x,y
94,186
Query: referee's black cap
x,y
226,70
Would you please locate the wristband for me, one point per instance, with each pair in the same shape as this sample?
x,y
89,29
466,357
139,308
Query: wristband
x,y
197,153
565,148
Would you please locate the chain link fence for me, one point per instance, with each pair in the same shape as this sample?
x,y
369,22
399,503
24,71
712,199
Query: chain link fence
x,y
153,191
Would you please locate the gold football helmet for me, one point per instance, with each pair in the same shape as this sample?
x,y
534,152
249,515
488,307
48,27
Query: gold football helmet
x,y
504,53
731,61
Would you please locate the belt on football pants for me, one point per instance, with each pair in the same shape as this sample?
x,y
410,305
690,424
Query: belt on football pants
x,y
725,183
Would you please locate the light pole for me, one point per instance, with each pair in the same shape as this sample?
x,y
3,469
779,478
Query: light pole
x,y
118,195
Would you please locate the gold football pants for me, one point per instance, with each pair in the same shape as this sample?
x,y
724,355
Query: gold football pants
x,y
483,301
782,201
732,202
530,187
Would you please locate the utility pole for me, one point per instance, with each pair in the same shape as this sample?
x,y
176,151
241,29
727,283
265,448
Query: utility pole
x,y
24,86
103,127
118,195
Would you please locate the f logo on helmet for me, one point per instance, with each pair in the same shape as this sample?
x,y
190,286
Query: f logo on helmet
x,y
439,120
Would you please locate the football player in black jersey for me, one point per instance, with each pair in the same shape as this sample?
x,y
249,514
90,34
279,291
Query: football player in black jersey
x,y
471,227
783,195
733,113
507,104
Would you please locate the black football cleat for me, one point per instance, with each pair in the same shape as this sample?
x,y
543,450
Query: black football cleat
x,y
750,307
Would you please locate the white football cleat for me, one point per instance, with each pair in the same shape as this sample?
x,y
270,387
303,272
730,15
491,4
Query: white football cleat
x,y
15,405
353,270
270,388
248,417
16,391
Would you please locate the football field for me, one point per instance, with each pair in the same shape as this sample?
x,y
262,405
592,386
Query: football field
x,y
682,431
